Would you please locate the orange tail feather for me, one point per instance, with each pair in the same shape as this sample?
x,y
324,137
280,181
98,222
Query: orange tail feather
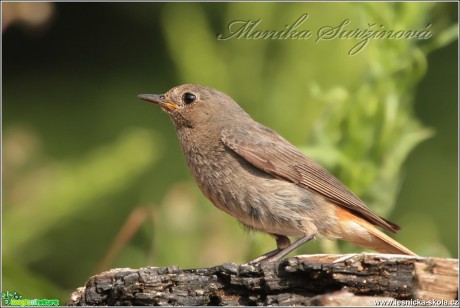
x,y
356,230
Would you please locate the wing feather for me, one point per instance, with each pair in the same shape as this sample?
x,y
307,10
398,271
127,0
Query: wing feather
x,y
270,152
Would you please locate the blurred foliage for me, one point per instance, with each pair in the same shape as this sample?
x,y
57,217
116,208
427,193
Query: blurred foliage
x,y
81,155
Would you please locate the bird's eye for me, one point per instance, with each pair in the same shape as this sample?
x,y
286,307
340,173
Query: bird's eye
x,y
189,98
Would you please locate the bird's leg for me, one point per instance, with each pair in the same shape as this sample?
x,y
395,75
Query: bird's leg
x,y
290,248
277,254
282,242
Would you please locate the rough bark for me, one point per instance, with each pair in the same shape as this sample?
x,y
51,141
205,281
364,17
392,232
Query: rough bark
x,y
303,280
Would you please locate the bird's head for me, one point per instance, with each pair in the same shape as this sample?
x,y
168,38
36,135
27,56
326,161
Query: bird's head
x,y
195,105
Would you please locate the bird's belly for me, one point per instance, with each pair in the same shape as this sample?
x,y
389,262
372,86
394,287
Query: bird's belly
x,y
257,199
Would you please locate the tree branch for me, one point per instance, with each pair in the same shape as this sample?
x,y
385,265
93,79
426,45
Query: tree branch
x,y
302,280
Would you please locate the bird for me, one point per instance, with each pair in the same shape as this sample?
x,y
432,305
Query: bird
x,y
255,175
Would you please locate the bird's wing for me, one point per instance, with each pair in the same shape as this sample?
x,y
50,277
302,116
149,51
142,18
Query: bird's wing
x,y
266,150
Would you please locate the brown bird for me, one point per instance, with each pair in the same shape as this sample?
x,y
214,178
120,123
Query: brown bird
x,y
261,179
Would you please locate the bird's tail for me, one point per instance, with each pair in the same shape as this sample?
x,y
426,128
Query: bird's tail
x,y
361,232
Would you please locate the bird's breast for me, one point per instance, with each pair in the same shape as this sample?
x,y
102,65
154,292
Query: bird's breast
x,y
254,197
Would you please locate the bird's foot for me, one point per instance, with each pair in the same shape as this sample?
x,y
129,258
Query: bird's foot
x,y
265,258
347,257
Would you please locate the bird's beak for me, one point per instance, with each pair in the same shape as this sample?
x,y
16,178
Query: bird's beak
x,y
160,100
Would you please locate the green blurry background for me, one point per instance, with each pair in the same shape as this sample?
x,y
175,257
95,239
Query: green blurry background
x,y
93,178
